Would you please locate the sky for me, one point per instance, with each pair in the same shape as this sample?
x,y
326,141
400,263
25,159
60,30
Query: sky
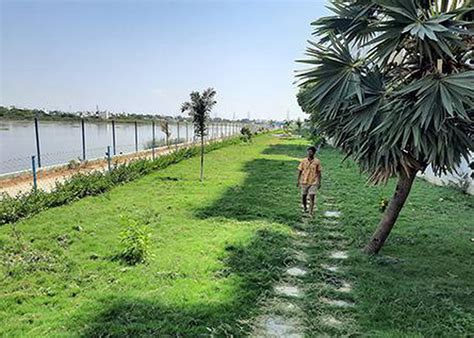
x,y
147,56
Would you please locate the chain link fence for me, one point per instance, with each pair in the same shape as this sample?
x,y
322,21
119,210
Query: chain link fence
x,y
38,154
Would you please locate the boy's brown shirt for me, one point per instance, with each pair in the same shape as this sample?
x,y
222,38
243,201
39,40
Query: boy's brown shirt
x,y
310,171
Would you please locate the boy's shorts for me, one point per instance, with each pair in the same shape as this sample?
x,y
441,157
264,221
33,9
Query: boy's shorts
x,y
309,189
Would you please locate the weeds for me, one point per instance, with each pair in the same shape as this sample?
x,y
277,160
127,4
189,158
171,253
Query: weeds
x,y
135,240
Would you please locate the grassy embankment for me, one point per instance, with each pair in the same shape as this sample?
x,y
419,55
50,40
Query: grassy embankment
x,y
215,252
220,245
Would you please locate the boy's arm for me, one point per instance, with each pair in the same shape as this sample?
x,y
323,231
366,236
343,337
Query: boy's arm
x,y
319,175
300,171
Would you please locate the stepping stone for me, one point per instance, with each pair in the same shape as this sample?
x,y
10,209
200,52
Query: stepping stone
x,y
328,242
332,214
301,233
301,244
345,287
296,272
288,291
278,326
330,221
339,255
330,267
330,225
331,321
336,302
277,305
333,234
339,285
301,256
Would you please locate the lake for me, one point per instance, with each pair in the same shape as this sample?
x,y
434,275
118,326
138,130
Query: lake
x,y
61,142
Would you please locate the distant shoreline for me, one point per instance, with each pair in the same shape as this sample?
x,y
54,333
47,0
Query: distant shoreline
x,y
18,114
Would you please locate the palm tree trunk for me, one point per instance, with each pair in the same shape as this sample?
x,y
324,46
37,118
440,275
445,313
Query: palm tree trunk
x,y
202,157
405,182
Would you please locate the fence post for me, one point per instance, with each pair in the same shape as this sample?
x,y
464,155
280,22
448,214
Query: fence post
x,y
83,132
177,134
108,158
113,137
153,139
187,132
136,137
33,169
38,152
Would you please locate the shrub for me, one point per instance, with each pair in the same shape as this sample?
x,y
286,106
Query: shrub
x,y
81,185
246,134
135,240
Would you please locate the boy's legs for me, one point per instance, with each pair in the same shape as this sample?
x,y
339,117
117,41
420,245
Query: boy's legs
x,y
304,195
312,198
303,200
311,203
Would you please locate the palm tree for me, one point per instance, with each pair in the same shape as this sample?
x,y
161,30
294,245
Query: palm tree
x,y
404,101
199,108
165,128
299,126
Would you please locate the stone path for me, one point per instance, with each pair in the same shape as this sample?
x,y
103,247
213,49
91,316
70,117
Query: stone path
x,y
332,291
314,284
283,314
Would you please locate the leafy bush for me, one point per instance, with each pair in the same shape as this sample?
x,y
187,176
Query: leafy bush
x,y
135,239
81,185
383,204
246,134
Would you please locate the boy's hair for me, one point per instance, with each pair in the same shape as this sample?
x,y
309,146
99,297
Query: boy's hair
x,y
312,148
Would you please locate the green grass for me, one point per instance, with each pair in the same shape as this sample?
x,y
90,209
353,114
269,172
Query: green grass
x,y
220,245
422,283
215,254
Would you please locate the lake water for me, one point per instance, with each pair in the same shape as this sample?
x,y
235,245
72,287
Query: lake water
x,y
61,142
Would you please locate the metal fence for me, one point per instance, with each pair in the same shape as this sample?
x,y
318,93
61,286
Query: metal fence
x,y
62,149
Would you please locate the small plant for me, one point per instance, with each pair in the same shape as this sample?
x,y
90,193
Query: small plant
x,y
135,240
246,134
383,204
73,164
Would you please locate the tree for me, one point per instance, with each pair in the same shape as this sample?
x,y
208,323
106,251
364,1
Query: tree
x,y
299,126
287,127
199,108
165,128
404,100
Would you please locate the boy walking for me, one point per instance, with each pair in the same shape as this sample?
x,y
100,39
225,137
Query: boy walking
x,y
309,179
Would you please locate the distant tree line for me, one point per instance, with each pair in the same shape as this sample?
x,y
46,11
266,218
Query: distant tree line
x,y
13,113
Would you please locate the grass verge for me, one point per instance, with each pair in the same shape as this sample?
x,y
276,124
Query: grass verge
x,y
215,254
220,245
421,284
